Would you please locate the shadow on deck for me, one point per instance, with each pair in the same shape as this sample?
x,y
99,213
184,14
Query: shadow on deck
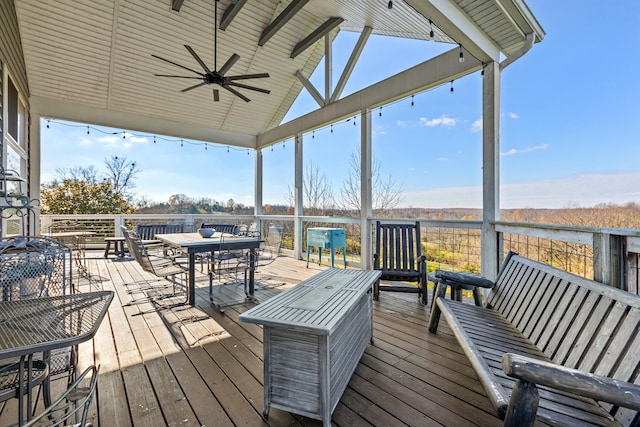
x,y
193,366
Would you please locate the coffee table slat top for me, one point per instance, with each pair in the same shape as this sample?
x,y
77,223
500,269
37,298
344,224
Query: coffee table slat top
x,y
316,305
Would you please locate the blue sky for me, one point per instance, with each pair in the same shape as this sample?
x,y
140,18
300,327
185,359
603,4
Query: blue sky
x,y
570,122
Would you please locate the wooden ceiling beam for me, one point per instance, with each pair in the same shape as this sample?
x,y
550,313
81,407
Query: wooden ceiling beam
x,y
230,13
176,5
320,32
284,17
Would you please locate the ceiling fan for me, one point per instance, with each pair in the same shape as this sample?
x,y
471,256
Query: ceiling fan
x,y
216,76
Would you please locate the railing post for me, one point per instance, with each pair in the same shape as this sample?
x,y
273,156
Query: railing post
x,y
608,259
189,223
118,222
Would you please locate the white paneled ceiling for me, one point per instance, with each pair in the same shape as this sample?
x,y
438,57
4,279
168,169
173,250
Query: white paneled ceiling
x,y
96,54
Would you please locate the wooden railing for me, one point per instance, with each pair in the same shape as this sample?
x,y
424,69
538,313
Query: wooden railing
x,y
610,256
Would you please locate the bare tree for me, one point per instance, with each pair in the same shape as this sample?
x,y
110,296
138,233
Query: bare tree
x,y
317,192
78,173
121,173
386,193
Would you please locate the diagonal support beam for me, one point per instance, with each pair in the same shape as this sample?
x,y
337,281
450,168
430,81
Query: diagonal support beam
x,y
320,32
351,63
284,17
311,88
176,5
230,13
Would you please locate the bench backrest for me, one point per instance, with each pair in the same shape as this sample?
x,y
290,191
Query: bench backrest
x,y
576,322
149,231
222,228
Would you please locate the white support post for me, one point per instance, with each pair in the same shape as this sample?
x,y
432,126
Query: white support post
x,y
490,169
298,197
34,172
366,191
259,179
328,65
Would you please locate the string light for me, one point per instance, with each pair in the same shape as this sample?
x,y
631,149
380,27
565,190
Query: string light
x,y
461,56
482,72
87,130
390,5
313,134
431,33
182,141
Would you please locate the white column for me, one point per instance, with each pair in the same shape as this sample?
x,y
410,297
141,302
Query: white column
x,y
257,196
490,168
34,171
366,191
298,197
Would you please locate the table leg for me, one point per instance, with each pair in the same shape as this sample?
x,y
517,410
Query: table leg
x,y
252,271
106,249
308,256
192,279
332,255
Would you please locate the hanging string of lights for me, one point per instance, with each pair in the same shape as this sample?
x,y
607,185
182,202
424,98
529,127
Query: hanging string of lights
x,y
156,138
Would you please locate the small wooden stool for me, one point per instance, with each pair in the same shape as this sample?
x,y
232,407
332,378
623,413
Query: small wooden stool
x,y
118,246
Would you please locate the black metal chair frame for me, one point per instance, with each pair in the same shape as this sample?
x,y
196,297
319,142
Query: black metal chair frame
x,y
399,256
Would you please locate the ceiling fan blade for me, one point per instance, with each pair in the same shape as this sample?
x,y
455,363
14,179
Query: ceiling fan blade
x,y
257,89
177,65
192,87
249,76
227,65
181,77
236,93
197,58
216,95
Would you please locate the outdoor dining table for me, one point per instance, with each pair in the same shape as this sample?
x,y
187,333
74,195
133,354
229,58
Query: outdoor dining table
x,y
194,243
29,326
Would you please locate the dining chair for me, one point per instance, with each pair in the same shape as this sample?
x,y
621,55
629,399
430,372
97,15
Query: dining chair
x,y
71,408
153,259
268,252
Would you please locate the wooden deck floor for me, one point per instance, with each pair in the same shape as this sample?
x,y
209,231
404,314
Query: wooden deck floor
x,y
197,367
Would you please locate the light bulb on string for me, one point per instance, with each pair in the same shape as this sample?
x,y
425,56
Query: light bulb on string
x,y
412,103
313,134
181,143
380,112
87,130
331,127
482,72
451,86
48,124
205,145
227,148
154,139
431,33
461,56
389,6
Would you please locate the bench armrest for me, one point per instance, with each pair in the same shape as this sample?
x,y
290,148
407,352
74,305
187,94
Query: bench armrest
x,y
584,384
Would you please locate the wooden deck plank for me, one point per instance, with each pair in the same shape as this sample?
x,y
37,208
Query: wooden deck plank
x,y
197,366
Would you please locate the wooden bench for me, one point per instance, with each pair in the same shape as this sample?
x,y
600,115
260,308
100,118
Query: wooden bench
x,y
551,344
222,228
147,232
118,246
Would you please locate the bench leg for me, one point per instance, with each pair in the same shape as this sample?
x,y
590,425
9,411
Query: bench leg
x,y
523,405
434,318
106,249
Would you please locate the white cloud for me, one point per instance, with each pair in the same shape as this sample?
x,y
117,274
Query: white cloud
x,y
440,121
525,150
476,126
513,115
141,139
574,190
109,139
442,159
